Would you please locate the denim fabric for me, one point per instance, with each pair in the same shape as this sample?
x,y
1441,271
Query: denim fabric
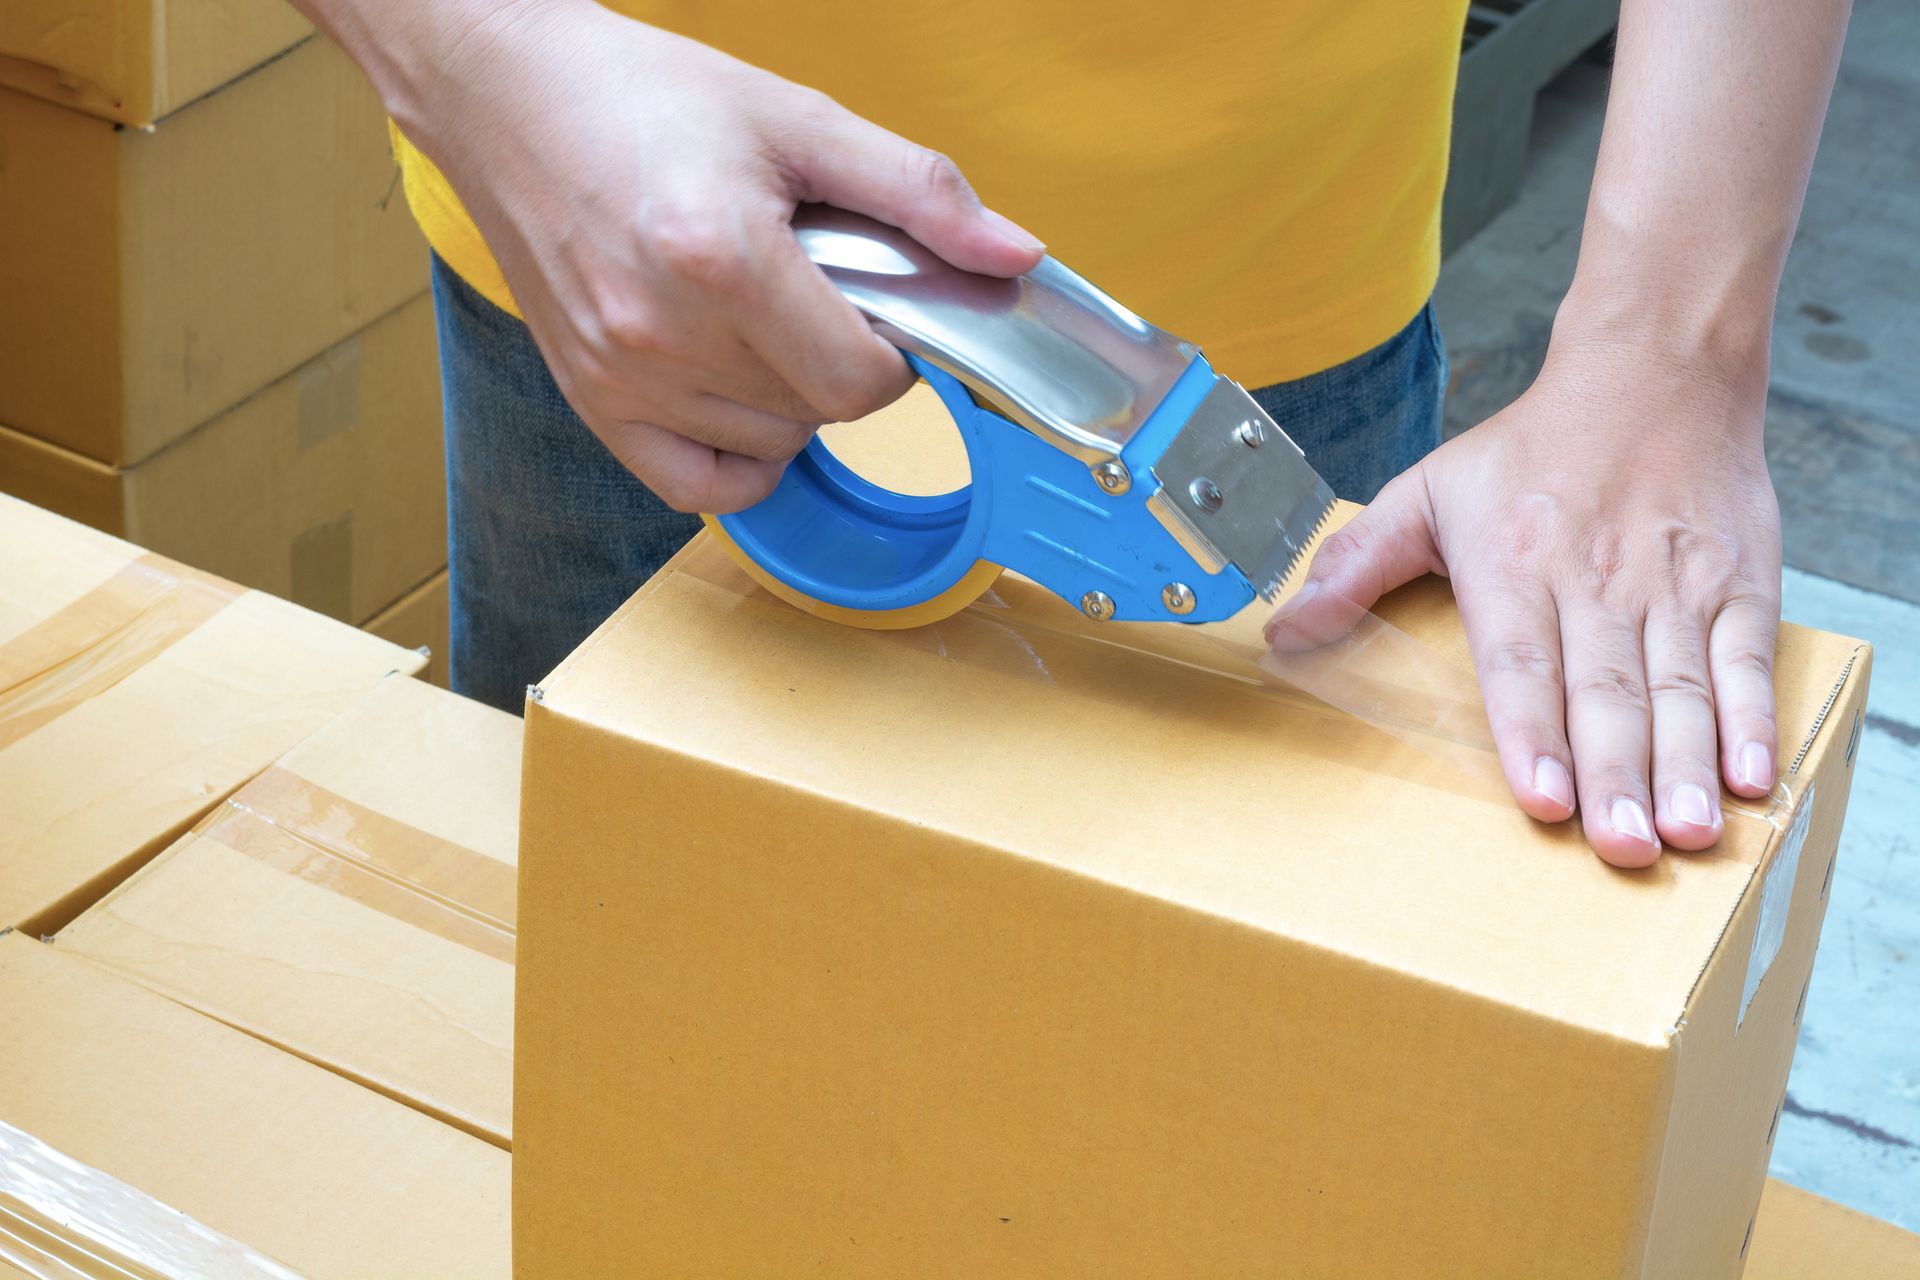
x,y
1363,422
548,534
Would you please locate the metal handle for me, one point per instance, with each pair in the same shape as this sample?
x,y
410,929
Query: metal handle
x,y
1047,349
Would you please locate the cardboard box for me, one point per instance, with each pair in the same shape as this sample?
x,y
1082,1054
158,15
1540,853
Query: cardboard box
x,y
419,620
136,694
157,278
1798,1236
999,948
135,60
354,904
327,488
293,1162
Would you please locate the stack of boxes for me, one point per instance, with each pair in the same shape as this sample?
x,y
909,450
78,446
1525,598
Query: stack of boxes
x,y
217,339
256,933
788,1002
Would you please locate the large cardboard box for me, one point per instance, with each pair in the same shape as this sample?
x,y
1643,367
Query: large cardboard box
x,y
136,60
135,694
154,279
100,1079
327,488
1800,1236
420,620
1022,946
353,904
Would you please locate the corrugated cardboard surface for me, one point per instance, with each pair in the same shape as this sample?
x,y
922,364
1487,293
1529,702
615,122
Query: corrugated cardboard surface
x,y
135,60
303,1166
353,905
1800,1236
157,278
327,488
994,949
1731,1068
115,736
419,620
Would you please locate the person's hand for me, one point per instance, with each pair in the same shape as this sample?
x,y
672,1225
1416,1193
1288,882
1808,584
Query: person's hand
x,y
636,189
1614,543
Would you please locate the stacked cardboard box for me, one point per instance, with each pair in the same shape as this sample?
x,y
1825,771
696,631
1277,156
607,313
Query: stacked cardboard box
x,y
778,972
141,1138
135,695
353,904
134,61
217,341
192,1074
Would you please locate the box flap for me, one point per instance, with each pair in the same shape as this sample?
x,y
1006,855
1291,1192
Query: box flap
x,y
136,693
353,904
309,1169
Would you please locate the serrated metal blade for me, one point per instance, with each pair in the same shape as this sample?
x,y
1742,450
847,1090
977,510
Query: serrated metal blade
x,y
1233,480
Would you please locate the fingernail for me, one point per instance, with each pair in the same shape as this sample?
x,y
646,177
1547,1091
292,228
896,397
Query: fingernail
x,y
1550,779
1012,230
1629,819
1756,767
1298,600
1691,805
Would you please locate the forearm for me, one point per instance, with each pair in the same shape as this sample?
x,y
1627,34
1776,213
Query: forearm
x,y
1711,127
407,49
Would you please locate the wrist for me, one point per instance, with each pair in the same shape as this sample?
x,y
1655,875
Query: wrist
x,y
1701,313
1689,352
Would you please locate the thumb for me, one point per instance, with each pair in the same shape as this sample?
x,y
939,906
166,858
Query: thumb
x,y
846,161
1388,544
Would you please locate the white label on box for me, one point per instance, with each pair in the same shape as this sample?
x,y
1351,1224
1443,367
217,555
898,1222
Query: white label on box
x,y
1776,899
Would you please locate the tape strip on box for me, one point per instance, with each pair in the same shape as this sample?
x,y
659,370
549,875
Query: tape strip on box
x,y
84,649
1374,673
435,885
61,1219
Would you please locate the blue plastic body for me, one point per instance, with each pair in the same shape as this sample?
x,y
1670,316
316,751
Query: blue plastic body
x,y
834,536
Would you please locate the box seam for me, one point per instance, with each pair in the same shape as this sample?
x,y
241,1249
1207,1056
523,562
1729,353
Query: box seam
x,y
1768,850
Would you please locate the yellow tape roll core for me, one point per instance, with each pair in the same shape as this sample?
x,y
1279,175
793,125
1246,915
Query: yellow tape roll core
x,y
972,585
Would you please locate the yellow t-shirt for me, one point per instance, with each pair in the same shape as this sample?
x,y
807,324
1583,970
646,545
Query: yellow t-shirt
x,y
1262,177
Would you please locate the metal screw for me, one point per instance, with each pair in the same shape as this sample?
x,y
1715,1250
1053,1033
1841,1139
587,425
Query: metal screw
x,y
1097,605
1206,495
1178,597
1251,434
1112,476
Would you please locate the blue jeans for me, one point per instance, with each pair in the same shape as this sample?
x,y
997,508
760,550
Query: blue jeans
x,y
548,534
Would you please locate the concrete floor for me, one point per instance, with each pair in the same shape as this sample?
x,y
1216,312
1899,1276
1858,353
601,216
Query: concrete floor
x,y
1844,446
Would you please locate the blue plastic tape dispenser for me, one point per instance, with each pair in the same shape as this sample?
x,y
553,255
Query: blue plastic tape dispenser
x,y
1110,464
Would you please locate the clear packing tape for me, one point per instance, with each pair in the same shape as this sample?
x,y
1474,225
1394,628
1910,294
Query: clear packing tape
x,y
62,1219
1375,673
296,826
80,651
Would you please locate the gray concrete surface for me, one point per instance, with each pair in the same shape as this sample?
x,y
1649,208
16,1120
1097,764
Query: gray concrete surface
x,y
1844,447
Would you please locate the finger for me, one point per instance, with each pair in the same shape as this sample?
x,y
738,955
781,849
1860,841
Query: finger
x,y
814,340
843,160
1609,726
1513,629
731,427
724,271
1385,546
688,475
1686,779
1740,656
